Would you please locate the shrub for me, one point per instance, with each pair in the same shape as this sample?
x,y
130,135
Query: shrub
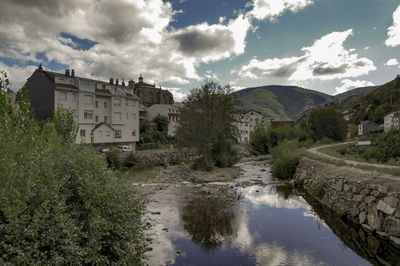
x,y
371,153
149,146
59,203
131,160
285,158
113,158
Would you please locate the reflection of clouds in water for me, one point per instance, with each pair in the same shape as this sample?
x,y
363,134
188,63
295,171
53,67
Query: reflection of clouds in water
x,y
163,248
313,215
270,197
273,254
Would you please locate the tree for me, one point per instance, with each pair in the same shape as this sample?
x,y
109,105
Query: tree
x,y
65,124
327,122
207,123
162,123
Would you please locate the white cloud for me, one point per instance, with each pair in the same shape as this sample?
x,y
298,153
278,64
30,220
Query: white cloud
x,y
347,84
392,62
179,93
17,75
326,59
271,9
394,30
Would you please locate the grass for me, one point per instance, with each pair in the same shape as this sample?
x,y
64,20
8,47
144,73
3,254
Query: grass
x,y
141,175
340,162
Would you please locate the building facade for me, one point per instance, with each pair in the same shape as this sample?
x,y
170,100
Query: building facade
x,y
282,122
368,128
149,94
168,110
106,112
247,123
392,121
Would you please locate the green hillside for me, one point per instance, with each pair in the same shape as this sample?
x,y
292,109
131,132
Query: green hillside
x,y
372,106
281,101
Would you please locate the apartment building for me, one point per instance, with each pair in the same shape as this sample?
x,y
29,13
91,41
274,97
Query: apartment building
x,y
247,123
106,112
392,121
168,110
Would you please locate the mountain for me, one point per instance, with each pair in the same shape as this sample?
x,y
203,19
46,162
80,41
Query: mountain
x,y
356,91
373,105
276,101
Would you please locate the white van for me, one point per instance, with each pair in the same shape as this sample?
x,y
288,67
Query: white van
x,y
123,148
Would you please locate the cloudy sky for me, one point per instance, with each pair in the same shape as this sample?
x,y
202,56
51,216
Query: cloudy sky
x,y
325,45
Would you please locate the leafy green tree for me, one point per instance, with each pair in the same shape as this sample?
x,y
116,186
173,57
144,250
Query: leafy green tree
x,y
59,202
65,124
327,122
162,123
207,123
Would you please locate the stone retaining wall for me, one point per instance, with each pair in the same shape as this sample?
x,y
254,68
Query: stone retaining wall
x,y
367,198
170,156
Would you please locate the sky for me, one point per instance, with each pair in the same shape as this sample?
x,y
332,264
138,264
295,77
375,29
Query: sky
x,y
329,46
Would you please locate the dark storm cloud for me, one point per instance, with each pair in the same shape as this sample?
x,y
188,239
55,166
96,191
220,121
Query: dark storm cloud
x,y
323,70
194,42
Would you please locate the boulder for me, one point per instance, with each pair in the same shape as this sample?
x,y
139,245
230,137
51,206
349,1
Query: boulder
x,y
362,217
393,226
373,219
385,208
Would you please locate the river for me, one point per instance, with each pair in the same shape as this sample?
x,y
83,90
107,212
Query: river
x,y
252,221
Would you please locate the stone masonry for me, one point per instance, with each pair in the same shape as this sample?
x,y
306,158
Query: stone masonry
x,y
367,198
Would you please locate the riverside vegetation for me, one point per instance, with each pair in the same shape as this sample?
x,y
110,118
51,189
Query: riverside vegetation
x,y
59,202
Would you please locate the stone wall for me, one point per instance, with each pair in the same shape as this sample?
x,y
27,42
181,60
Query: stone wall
x,y
170,156
367,198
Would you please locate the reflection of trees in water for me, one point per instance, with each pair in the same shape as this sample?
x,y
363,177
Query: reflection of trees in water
x,y
285,191
208,221
368,246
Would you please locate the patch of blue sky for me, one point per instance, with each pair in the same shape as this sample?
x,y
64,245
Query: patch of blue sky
x,y
77,43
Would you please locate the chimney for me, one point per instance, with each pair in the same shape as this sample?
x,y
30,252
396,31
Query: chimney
x,y
116,82
72,73
123,83
40,68
131,84
67,72
111,81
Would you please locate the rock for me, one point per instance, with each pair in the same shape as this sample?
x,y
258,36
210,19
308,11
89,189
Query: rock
x,y
370,199
375,193
382,189
186,182
358,198
365,191
373,219
155,213
397,213
346,188
383,235
338,186
385,208
367,228
263,170
354,212
394,194
355,189
395,240
393,226
362,206
391,201
382,261
361,234
362,217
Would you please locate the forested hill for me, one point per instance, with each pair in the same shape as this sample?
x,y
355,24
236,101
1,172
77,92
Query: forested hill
x,y
281,101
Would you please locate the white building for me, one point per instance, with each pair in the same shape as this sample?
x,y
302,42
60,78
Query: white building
x,y
106,112
247,124
392,121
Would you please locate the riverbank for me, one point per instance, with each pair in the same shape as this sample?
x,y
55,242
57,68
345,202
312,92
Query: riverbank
x,y
367,198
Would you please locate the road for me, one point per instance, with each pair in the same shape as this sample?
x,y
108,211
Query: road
x,y
315,151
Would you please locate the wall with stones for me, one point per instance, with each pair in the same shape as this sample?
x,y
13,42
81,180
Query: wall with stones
x,y
169,156
367,198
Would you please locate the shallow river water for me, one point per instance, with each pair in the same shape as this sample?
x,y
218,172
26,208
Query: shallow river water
x,y
256,224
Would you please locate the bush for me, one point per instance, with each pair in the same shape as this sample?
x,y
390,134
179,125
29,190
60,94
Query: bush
x,y
149,146
285,158
371,153
114,160
59,203
131,160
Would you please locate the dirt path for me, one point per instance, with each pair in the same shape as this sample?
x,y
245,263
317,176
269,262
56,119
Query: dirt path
x,y
315,151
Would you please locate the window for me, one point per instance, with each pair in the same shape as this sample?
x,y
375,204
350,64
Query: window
x,y
107,133
126,102
105,104
74,97
117,134
96,118
117,116
88,99
133,116
63,96
96,104
74,112
88,114
117,102
83,133
134,133
133,103
105,119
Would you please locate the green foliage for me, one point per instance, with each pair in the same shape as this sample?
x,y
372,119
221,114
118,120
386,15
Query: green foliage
x,y
264,138
389,146
206,123
162,123
327,122
65,124
285,159
131,160
113,159
59,203
148,146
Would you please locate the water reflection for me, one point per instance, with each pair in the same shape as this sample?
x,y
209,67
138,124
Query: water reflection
x,y
208,221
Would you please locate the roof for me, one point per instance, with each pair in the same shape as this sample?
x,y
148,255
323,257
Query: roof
x,y
67,87
100,124
252,110
103,92
144,84
280,119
